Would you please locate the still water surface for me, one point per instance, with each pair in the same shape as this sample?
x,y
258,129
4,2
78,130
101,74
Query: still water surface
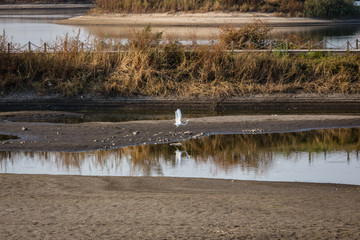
x,y
39,26
325,156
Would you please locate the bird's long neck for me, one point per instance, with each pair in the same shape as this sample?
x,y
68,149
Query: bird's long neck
x,y
186,122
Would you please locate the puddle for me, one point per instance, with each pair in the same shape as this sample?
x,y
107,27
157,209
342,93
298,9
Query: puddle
x,y
325,156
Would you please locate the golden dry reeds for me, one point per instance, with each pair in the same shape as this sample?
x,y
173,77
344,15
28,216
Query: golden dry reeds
x,y
152,66
293,7
287,8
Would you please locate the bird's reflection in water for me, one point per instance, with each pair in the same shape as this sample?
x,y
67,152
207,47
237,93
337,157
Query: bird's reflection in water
x,y
179,156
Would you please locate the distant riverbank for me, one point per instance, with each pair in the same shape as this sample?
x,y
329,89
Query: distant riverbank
x,y
210,19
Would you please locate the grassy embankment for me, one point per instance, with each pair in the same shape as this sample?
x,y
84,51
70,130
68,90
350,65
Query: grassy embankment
x,y
309,8
152,68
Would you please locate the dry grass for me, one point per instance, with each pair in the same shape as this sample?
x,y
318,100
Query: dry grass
x,y
292,7
286,8
154,68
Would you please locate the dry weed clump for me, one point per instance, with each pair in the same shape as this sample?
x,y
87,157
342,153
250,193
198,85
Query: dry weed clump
x,y
255,35
150,65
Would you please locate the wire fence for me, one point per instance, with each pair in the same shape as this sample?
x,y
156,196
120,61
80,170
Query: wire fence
x,y
248,46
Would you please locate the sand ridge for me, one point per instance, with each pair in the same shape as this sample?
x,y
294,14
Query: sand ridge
x,y
210,19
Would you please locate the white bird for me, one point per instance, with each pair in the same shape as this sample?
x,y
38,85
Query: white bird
x,y
178,117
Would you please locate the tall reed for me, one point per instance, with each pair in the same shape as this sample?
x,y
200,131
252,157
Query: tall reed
x,y
153,66
144,6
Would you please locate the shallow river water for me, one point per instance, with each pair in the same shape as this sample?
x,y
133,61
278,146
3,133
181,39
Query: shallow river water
x,y
325,156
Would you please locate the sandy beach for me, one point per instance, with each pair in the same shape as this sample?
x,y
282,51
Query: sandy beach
x,y
210,19
75,207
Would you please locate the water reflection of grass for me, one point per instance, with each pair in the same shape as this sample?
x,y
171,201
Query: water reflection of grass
x,y
257,150
247,151
6,137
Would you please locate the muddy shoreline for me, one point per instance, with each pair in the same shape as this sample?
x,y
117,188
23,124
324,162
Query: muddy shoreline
x,y
110,135
314,102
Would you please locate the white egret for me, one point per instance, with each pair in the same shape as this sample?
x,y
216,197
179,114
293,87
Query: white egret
x,y
178,117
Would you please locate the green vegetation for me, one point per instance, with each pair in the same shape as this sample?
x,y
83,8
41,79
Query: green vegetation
x,y
310,8
146,66
330,8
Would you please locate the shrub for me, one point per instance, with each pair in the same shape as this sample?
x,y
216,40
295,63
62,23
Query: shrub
x,y
330,8
254,35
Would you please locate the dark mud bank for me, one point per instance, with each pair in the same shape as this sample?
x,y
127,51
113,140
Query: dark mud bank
x,y
305,103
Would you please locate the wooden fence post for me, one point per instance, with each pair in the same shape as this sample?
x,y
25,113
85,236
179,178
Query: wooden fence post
x,y
324,44
9,47
347,46
44,47
29,46
357,43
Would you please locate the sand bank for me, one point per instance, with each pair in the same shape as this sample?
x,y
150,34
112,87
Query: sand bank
x,y
211,19
109,135
75,207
